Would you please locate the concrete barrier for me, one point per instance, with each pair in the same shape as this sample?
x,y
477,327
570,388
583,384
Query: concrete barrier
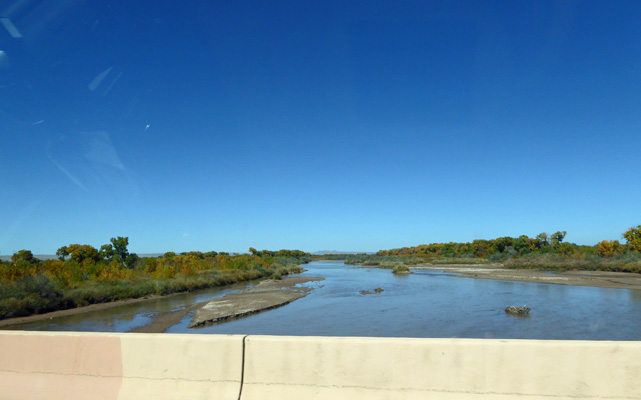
x,y
36,365
384,368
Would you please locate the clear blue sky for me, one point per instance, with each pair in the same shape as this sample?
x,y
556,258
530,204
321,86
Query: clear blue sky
x,y
220,125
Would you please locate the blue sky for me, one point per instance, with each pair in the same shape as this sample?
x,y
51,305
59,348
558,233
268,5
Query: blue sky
x,y
316,125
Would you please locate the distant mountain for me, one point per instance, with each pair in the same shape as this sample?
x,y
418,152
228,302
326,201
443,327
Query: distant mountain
x,y
55,257
321,252
38,256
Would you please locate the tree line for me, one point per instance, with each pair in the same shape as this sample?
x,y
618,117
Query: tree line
x,y
84,275
507,247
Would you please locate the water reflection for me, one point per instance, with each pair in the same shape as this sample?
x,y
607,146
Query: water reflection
x,y
128,317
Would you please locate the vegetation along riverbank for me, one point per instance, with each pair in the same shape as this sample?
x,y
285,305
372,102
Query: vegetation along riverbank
x,y
84,275
545,252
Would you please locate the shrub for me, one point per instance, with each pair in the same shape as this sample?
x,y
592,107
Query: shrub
x,y
401,269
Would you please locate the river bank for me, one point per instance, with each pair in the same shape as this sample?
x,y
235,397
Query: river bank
x,y
603,279
163,321
265,296
13,322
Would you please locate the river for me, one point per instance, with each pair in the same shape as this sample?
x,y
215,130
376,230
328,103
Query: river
x,y
423,304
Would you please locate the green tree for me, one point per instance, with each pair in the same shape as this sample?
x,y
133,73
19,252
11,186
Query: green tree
x,y
121,253
62,253
542,240
633,236
557,238
130,260
503,243
120,247
25,256
82,252
522,244
565,248
106,252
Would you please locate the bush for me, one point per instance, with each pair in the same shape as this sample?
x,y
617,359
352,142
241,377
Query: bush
x,y
30,295
401,269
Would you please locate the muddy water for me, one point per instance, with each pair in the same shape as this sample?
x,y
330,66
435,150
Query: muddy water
x,y
423,304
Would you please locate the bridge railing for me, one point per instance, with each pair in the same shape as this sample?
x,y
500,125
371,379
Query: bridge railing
x,y
36,365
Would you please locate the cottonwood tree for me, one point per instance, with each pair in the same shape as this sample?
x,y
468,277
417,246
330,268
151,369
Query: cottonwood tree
x,y
24,256
106,252
557,238
633,236
78,253
608,248
121,253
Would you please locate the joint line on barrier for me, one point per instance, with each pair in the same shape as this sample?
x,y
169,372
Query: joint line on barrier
x,y
242,370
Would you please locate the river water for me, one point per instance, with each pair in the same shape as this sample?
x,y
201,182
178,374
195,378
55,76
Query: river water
x,y
423,304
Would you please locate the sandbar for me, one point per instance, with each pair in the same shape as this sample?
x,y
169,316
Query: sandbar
x,y
604,279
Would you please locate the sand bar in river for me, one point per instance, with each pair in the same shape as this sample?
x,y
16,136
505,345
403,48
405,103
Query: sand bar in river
x,y
615,280
264,296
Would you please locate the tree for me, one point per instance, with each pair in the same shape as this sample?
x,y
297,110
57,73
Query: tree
x,y
565,248
253,251
120,247
106,252
522,244
633,236
542,240
608,248
121,253
25,256
503,243
557,238
130,260
82,252
62,253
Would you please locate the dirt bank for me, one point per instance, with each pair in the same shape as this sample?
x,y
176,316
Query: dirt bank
x,y
264,296
616,280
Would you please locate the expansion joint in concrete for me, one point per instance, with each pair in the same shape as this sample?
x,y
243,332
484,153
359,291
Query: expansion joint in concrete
x,y
242,370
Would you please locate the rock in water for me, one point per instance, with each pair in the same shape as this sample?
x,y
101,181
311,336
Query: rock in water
x,y
517,310
375,291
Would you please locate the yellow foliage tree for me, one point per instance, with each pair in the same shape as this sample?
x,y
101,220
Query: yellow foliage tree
x,y
633,236
608,248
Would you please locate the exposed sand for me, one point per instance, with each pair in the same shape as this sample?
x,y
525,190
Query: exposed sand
x,y
264,296
616,280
